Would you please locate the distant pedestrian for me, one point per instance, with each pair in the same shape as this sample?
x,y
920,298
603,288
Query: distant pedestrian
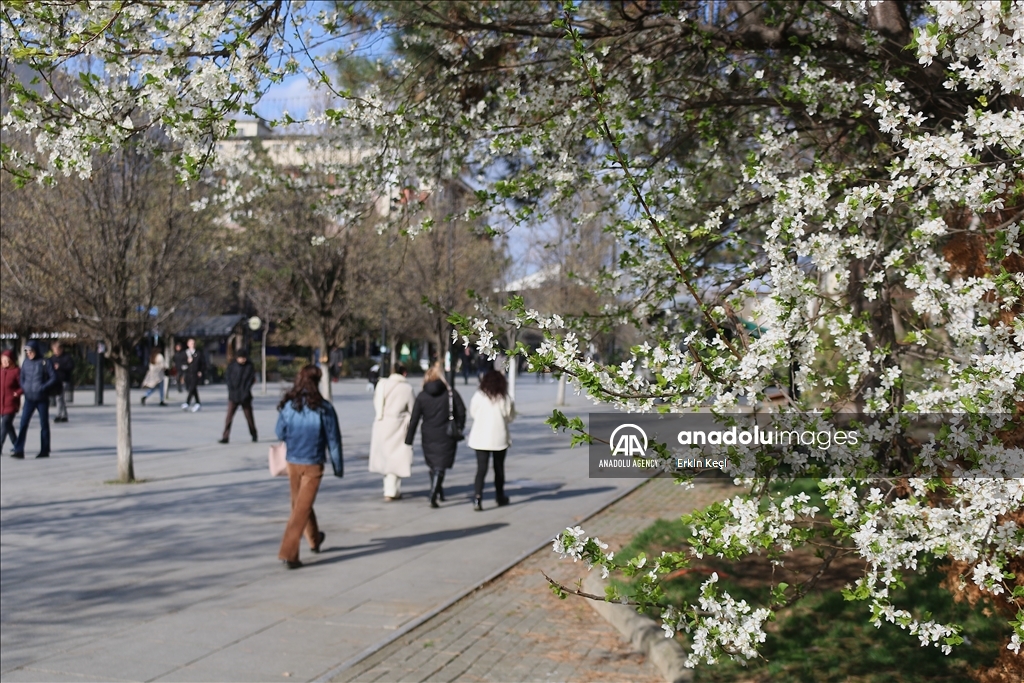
x,y
195,368
467,361
372,377
308,426
64,366
37,380
241,375
444,415
179,364
10,398
154,379
392,407
492,410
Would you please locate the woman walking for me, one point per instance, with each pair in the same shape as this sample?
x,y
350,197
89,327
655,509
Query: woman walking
x,y
491,409
308,426
444,415
154,379
10,398
389,455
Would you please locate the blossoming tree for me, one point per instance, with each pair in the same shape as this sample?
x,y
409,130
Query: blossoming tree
x,y
847,173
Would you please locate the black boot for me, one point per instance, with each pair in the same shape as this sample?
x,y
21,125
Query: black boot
x,y
433,489
478,504
440,487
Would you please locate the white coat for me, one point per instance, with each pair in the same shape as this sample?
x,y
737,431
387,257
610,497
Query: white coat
x,y
155,373
490,422
392,404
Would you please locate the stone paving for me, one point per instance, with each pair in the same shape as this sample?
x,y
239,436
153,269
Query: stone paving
x,y
177,578
515,629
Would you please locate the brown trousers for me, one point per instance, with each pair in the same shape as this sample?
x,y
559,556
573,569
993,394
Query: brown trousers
x,y
246,407
305,482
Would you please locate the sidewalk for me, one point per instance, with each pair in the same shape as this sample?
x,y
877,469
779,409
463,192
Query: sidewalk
x,y
177,578
515,629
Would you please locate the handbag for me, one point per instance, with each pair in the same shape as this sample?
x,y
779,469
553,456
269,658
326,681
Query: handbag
x,y
453,429
277,459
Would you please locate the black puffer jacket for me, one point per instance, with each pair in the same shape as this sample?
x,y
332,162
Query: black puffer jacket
x,y
37,378
432,407
240,378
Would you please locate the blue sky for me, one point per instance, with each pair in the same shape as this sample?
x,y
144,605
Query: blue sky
x,y
296,94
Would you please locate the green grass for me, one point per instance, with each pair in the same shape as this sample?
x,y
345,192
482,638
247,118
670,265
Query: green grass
x,y
826,638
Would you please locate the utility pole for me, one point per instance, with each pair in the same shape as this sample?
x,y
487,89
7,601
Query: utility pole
x,y
263,356
450,362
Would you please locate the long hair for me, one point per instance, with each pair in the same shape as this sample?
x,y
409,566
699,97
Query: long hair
x,y
434,372
305,391
153,356
494,385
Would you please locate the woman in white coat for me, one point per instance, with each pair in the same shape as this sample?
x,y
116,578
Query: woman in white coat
x,y
491,409
389,455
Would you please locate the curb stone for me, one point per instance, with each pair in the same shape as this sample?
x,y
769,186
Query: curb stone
x,y
647,637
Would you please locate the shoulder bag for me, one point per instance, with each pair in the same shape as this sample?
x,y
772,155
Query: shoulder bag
x,y
453,429
277,459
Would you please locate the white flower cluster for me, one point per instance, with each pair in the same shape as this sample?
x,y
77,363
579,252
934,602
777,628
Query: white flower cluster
x,y
92,75
728,626
574,543
746,528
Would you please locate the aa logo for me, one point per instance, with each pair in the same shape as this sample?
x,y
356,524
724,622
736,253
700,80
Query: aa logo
x,y
628,440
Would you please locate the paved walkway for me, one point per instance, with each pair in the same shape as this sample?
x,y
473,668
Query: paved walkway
x,y
177,578
515,629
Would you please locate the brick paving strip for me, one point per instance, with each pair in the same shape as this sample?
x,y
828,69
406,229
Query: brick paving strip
x,y
514,629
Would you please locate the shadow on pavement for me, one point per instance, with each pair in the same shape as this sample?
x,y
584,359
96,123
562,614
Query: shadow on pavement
x,y
569,493
383,545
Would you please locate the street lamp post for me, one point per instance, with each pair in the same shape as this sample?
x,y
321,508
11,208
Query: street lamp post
x,y
100,351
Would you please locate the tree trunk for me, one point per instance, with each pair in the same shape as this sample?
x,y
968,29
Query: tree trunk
x,y
394,353
122,386
442,342
513,368
168,363
560,396
883,333
325,359
513,364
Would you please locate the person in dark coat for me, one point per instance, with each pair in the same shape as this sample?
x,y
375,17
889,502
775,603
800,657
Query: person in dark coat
x,y
37,380
436,405
240,376
180,364
64,365
10,398
194,372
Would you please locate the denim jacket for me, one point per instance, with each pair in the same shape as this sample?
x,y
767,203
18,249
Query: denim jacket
x,y
309,434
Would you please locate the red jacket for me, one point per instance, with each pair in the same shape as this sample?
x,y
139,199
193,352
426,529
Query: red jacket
x,y
10,390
